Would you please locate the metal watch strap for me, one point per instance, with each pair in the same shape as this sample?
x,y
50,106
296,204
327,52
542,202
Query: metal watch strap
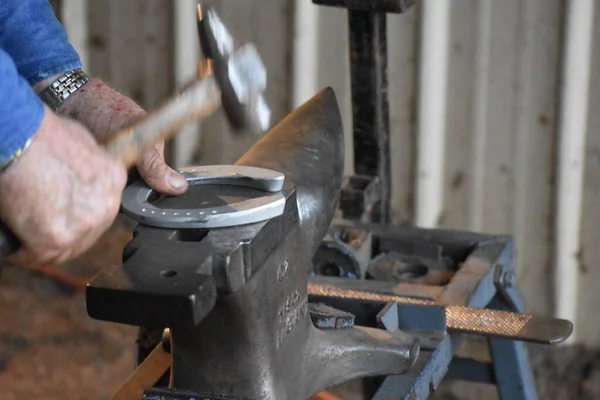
x,y
67,84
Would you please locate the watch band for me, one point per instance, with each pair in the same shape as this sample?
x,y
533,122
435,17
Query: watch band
x,y
67,84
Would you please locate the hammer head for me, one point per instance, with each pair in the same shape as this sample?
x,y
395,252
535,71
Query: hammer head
x,y
239,72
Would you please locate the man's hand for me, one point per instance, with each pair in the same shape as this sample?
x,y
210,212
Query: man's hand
x,y
61,195
104,111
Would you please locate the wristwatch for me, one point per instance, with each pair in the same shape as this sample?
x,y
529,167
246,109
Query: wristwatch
x,y
59,90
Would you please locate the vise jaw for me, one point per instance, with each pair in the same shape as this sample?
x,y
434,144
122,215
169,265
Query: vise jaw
x,y
235,299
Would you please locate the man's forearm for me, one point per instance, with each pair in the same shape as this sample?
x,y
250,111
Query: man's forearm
x,y
97,106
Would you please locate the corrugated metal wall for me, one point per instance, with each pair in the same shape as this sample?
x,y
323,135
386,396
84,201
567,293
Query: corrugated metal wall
x,y
498,152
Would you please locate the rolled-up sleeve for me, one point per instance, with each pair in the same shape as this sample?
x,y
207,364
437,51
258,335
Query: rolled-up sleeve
x,y
21,111
35,40
33,46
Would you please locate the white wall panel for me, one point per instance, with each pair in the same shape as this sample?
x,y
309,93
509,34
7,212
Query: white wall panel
x,y
403,35
588,317
431,124
571,162
535,132
74,18
187,56
504,64
334,67
467,78
499,121
269,25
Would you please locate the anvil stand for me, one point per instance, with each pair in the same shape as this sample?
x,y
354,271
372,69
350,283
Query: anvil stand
x,y
460,268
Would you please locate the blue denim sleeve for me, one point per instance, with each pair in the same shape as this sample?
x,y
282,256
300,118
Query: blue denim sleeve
x,y
21,110
33,46
36,41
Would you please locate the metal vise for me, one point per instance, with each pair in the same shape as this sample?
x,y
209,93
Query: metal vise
x,y
235,299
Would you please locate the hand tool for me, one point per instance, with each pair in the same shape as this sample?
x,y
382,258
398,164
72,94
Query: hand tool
x,y
237,84
480,321
244,104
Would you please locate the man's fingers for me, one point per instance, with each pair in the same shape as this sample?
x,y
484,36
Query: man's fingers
x,y
44,255
158,175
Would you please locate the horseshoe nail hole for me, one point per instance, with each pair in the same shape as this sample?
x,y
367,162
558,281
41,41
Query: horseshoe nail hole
x,y
411,271
169,273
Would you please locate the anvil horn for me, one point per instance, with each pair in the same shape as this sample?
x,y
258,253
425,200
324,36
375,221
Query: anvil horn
x,y
308,147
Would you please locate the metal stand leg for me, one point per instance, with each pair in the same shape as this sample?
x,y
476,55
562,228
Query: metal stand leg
x,y
510,369
511,366
514,379
368,61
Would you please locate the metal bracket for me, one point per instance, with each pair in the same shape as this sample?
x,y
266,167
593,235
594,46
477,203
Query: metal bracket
x,y
136,199
505,281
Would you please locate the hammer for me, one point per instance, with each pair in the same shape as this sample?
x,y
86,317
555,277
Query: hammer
x,y
237,82
242,83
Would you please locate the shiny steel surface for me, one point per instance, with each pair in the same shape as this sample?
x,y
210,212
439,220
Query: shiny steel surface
x,y
252,177
136,199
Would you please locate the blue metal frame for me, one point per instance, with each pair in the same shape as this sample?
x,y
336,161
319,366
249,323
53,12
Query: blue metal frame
x,y
486,279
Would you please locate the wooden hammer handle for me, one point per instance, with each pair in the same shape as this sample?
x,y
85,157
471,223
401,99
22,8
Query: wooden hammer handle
x,y
198,100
